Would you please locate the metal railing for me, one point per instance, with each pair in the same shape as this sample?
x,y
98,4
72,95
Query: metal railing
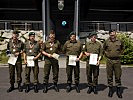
x,y
87,26
20,25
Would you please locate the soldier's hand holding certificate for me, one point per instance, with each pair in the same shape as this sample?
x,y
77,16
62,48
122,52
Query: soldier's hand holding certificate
x,y
56,56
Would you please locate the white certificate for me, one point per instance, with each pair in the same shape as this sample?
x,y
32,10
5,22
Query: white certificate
x,y
30,61
72,60
12,59
56,56
93,59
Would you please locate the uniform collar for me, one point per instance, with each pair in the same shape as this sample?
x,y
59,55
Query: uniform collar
x,y
32,42
14,41
113,41
92,42
73,41
50,41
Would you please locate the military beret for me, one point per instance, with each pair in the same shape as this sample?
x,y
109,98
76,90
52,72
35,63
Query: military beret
x,y
16,32
88,34
31,33
111,31
72,33
92,33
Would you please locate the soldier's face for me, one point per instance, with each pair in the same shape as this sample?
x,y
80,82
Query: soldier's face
x,y
93,38
112,35
52,36
73,37
32,37
15,36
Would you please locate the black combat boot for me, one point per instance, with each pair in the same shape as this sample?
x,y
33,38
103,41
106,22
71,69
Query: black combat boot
x,y
11,88
95,90
19,87
69,88
118,92
35,89
110,94
90,89
27,88
77,88
45,90
56,87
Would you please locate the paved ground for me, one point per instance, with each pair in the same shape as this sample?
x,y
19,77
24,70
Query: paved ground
x,y
127,81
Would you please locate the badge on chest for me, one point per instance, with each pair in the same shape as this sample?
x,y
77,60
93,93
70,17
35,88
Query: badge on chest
x,y
30,50
51,49
14,50
51,44
31,47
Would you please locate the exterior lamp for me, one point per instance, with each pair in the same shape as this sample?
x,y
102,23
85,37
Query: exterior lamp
x,y
60,4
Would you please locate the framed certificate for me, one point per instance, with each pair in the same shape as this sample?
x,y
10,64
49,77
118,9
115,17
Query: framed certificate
x,y
30,61
12,59
72,60
93,59
56,56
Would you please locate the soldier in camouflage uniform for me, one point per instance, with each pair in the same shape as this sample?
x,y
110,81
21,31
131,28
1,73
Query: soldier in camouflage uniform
x,y
15,47
113,49
92,47
72,47
49,47
31,48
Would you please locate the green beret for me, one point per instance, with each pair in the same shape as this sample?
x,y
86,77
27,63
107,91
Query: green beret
x,y
72,33
92,33
31,33
111,31
88,34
